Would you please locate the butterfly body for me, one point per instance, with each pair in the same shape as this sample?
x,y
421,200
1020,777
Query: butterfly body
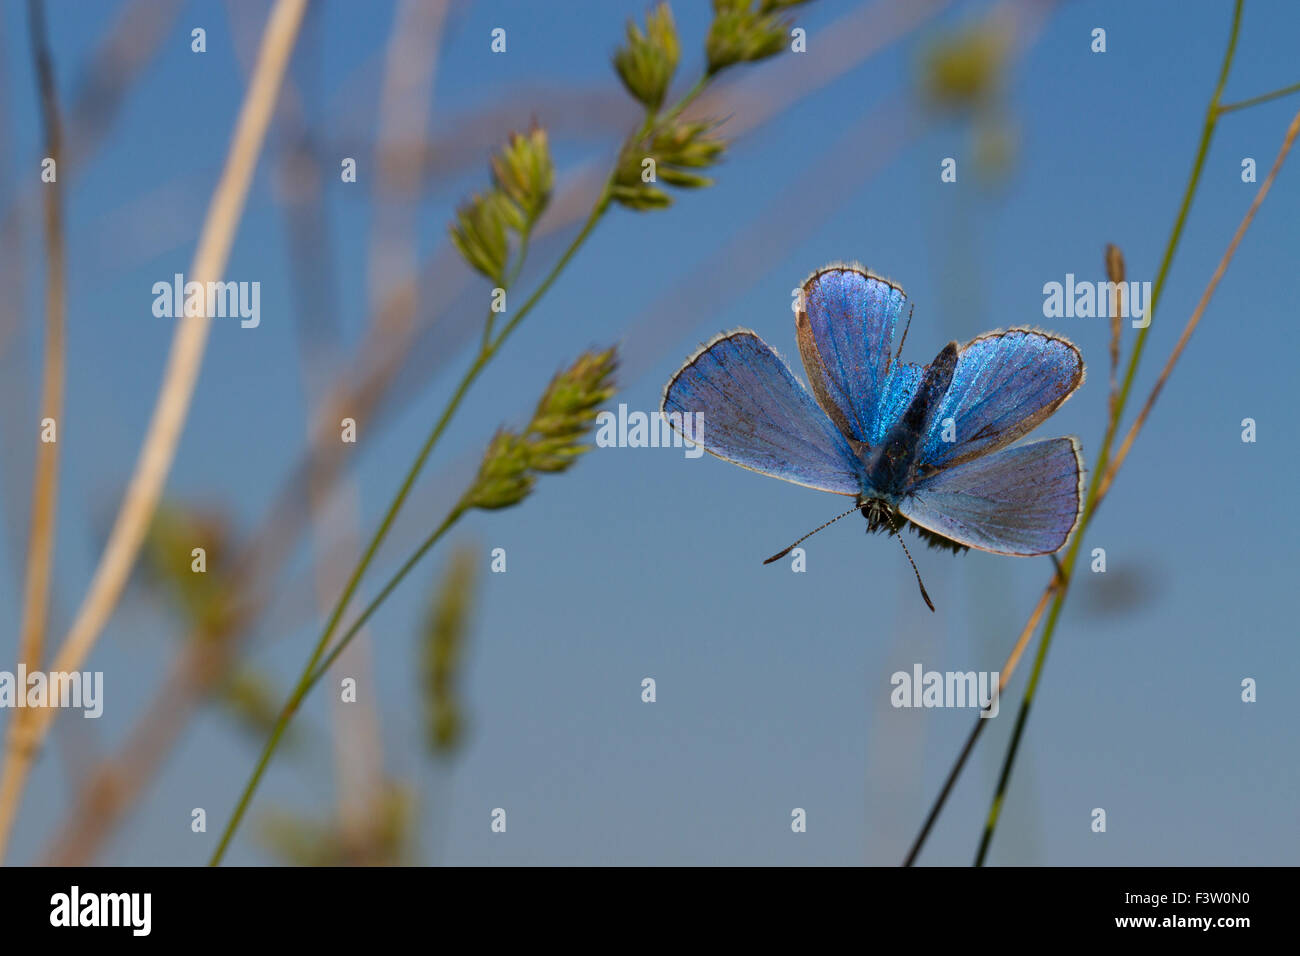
x,y
919,447
892,467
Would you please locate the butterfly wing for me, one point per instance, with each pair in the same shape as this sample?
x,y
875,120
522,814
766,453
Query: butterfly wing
x,y
1004,385
756,414
904,379
1020,501
845,327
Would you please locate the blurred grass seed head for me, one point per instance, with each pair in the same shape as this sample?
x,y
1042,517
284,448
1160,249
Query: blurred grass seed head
x,y
744,31
964,71
385,842
676,149
204,598
552,441
647,63
442,649
523,172
479,233
523,176
254,702
963,74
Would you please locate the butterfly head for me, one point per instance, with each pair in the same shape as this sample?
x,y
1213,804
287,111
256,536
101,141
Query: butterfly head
x,y
881,515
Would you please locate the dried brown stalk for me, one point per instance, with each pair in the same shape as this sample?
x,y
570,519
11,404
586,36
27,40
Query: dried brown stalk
x,y
174,396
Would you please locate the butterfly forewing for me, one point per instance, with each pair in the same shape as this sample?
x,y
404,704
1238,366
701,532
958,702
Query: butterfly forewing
x,y
755,413
1005,384
845,331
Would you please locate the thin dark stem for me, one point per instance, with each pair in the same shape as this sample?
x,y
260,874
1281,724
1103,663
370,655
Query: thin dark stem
x,y
510,280
685,101
953,774
303,685
1003,778
386,590
1066,571
1262,98
1004,681
597,212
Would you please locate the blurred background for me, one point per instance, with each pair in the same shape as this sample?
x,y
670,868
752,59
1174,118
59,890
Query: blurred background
x,y
772,687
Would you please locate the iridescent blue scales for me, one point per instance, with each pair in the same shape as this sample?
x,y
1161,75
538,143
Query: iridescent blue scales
x,y
928,444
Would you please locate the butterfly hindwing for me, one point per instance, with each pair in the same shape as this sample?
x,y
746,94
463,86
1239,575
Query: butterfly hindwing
x,y
845,329
1019,501
756,414
1005,384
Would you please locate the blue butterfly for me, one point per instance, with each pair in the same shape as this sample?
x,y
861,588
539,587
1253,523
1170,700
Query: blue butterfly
x,y
918,447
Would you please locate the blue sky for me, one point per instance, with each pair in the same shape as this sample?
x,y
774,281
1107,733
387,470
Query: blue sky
x,y
773,687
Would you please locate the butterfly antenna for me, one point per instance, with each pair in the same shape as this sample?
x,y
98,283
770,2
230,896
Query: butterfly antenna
x,y
778,556
924,595
899,353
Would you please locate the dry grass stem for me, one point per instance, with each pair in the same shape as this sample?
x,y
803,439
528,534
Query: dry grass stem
x,y
184,362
